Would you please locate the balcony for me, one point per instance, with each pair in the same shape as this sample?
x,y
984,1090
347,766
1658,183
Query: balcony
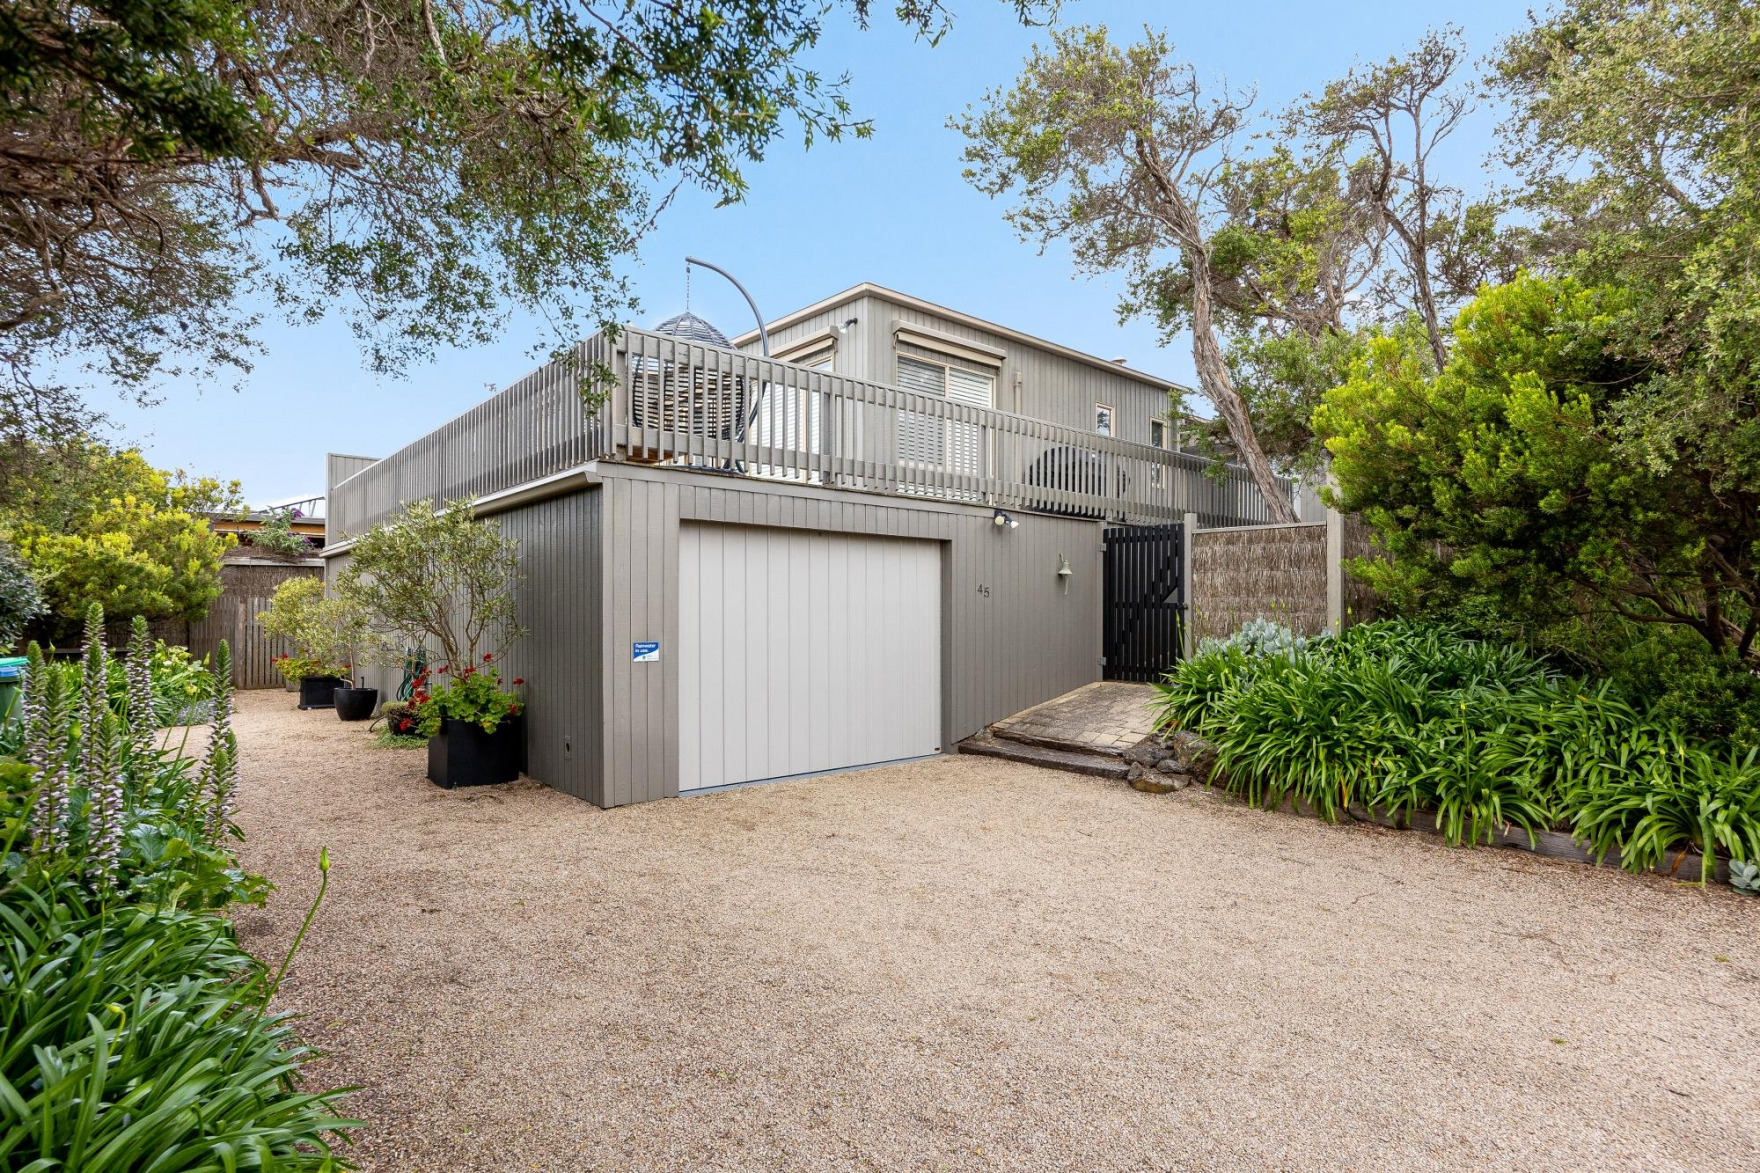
x,y
654,399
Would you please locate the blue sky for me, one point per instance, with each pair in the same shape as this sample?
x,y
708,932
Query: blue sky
x,y
892,209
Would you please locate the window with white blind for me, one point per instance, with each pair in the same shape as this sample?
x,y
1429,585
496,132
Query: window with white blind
x,y
955,445
1157,439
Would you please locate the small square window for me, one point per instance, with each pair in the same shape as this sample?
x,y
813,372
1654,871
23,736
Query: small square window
x,y
1103,419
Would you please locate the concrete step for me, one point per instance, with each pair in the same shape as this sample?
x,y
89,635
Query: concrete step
x,y
1047,741
1097,765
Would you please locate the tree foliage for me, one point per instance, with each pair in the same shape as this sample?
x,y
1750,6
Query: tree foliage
x,y
427,168
437,575
1592,446
1121,152
1635,130
21,600
106,527
1505,478
1347,228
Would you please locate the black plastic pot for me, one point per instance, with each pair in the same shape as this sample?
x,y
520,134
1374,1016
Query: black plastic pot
x,y
461,754
315,691
356,704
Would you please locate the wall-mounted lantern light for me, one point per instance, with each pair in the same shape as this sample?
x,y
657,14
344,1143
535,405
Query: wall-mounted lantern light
x,y
1063,570
1004,521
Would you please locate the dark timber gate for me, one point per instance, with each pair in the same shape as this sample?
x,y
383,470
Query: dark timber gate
x,y
1143,598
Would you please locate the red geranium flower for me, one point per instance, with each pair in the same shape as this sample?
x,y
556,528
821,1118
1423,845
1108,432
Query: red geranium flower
x,y
487,656
519,680
513,709
441,669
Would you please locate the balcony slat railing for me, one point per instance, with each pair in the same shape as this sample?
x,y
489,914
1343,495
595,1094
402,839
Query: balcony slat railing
x,y
682,403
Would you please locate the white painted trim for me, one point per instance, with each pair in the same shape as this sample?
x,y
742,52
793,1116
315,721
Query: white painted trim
x,y
935,340
869,289
557,484
1111,432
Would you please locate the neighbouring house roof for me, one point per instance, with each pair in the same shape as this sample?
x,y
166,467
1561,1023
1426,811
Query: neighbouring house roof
x,y
868,288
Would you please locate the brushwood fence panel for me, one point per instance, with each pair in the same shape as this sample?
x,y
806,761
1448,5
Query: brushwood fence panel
x,y
1275,572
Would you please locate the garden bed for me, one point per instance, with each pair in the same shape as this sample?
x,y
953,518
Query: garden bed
x,y
1475,741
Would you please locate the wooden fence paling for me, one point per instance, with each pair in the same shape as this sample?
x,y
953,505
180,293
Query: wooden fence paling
x,y
233,618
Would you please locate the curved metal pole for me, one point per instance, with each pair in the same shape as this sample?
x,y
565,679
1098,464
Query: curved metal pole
x,y
763,334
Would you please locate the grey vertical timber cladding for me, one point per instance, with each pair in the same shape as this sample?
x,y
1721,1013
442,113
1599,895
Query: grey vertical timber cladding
x,y
1051,386
559,602
1015,633
640,587
560,605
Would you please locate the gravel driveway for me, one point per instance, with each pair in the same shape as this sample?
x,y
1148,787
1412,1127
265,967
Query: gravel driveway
x,y
967,964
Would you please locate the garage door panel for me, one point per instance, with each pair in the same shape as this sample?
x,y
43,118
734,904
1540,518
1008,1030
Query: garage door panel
x,y
803,651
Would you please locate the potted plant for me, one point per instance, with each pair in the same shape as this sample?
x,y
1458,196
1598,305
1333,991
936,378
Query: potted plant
x,y
347,624
315,680
475,735
440,578
326,632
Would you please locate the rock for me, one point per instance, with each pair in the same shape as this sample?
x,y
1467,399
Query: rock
x,y
1136,771
1156,782
1169,765
1146,752
1194,753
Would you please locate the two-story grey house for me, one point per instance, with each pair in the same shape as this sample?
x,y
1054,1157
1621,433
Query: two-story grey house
x,y
861,548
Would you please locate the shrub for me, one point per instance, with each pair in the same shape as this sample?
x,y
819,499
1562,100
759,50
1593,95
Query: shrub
x,y
113,530
437,577
21,599
1405,717
1259,637
1669,796
137,1038
475,695
1669,671
276,536
180,687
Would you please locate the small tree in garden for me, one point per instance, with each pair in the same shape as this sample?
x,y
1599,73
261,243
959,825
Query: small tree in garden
x,y
327,631
437,576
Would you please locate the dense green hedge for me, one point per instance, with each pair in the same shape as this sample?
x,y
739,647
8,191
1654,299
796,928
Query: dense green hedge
x,y
1401,716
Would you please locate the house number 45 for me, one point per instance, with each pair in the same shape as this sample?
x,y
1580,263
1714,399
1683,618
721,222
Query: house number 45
x,y
984,590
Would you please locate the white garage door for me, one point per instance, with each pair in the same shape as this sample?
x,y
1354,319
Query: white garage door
x,y
802,651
